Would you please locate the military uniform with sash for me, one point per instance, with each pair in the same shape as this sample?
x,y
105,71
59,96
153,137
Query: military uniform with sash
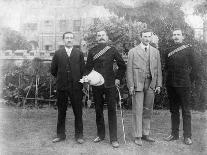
x,y
101,58
181,70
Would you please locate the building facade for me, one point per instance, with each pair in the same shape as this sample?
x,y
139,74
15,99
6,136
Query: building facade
x,y
43,24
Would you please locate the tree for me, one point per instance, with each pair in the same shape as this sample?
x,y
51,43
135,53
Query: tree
x,y
13,40
161,16
119,30
201,8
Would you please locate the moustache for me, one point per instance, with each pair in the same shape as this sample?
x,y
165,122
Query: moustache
x,y
101,39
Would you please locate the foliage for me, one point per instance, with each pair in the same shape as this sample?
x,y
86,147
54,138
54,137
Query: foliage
x,y
119,31
201,8
13,40
19,82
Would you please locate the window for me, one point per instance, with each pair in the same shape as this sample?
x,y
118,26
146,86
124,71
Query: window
x,y
47,23
42,53
96,20
52,54
76,25
63,25
61,46
31,54
48,47
31,26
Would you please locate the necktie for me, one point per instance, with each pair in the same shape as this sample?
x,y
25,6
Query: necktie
x,y
145,49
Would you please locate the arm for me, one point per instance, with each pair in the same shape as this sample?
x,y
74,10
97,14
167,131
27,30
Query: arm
x,y
82,64
121,66
159,71
194,63
129,73
89,64
159,74
54,65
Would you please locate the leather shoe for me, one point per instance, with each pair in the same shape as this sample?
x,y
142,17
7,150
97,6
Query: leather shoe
x,y
115,144
98,139
171,138
138,141
80,140
188,141
57,139
148,138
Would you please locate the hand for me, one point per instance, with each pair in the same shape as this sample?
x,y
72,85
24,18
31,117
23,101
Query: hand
x,y
117,82
85,86
83,79
157,90
131,91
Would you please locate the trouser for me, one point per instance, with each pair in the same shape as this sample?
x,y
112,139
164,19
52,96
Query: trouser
x,y
180,96
76,102
111,105
142,109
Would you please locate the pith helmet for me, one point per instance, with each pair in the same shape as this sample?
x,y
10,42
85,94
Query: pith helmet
x,y
95,78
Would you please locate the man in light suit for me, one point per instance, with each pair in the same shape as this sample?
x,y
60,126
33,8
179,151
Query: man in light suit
x,y
144,79
68,67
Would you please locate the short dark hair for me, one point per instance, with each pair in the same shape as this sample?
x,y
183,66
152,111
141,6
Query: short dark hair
x,y
145,30
67,33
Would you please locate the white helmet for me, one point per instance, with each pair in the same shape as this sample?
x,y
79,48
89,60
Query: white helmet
x,y
95,78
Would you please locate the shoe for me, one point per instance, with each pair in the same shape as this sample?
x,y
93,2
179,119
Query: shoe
x,y
98,139
80,140
138,141
171,138
148,138
57,139
188,141
115,144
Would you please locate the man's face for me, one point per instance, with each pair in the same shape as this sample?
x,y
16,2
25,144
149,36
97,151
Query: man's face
x,y
68,40
102,37
146,38
177,36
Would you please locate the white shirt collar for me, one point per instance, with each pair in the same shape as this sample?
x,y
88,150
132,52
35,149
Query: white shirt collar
x,y
144,46
68,50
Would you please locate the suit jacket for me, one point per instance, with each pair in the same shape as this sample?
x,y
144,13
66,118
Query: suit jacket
x,y
104,64
136,68
59,68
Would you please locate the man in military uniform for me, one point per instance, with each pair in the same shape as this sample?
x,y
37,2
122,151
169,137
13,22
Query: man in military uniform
x,y
181,70
101,59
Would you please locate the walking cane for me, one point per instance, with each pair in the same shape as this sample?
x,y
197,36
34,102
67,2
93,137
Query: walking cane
x,y
122,118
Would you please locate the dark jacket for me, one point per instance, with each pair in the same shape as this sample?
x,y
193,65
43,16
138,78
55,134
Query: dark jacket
x,y
181,67
104,64
60,67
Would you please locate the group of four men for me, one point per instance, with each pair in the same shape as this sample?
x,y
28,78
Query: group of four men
x,y
144,79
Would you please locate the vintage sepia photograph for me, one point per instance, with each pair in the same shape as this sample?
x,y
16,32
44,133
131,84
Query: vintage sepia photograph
x,y
103,77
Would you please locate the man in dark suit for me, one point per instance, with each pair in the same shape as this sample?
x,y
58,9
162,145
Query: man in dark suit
x,y
181,69
103,63
68,67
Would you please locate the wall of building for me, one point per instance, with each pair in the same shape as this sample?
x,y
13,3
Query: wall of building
x,y
45,23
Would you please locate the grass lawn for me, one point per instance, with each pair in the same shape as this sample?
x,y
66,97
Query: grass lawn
x,y
30,131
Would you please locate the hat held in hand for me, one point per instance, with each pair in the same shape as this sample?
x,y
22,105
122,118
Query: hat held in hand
x,y
93,78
